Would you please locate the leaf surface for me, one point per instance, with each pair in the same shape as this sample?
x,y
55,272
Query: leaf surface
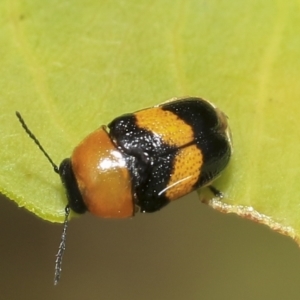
x,y
71,66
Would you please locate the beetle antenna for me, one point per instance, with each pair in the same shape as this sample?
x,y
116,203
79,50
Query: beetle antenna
x,y
32,136
62,245
61,248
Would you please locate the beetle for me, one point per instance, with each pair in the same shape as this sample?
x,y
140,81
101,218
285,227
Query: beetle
x,y
144,160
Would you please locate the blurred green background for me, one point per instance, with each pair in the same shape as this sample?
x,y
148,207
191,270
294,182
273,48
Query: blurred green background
x,y
185,251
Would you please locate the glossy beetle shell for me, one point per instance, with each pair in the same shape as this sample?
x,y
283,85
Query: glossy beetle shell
x,y
150,157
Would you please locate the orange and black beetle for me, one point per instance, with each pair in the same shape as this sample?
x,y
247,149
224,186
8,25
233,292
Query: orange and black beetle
x,y
147,159
144,160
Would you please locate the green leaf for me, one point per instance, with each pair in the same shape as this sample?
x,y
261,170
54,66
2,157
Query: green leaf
x,y
70,66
